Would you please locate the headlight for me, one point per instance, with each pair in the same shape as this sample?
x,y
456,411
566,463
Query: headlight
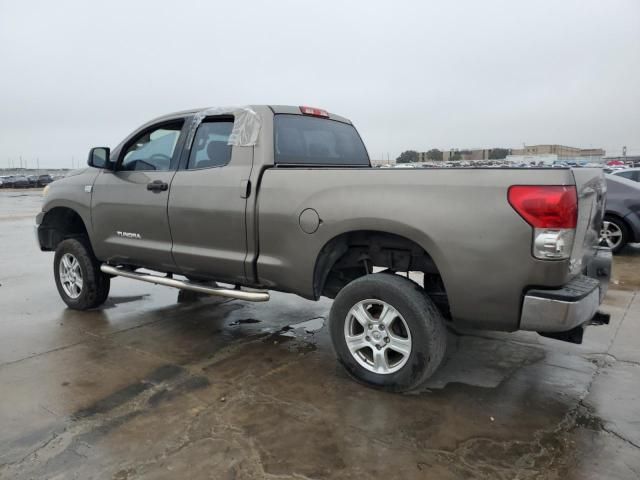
x,y
45,190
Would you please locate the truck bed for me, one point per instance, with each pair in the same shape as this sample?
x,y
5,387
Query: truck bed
x,y
461,217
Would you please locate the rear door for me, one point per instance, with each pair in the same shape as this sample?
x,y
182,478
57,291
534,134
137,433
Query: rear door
x,y
129,204
207,206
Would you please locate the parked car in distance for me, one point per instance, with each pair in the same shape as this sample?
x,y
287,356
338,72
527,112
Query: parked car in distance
x,y
20,181
7,181
44,180
629,173
33,180
616,163
621,224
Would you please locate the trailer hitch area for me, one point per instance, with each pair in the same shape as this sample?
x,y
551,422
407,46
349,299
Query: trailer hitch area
x,y
572,336
600,318
575,334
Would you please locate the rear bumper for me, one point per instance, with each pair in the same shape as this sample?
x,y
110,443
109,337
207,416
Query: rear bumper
x,y
574,304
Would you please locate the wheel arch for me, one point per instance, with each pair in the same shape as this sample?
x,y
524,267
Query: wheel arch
x,y
353,254
58,224
621,218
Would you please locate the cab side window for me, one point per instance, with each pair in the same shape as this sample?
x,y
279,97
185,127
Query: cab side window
x,y
210,145
153,150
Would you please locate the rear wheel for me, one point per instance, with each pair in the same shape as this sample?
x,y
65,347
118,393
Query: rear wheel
x,y
387,332
614,234
80,282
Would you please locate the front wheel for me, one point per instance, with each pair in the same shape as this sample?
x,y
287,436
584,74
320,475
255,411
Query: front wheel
x,y
387,333
80,282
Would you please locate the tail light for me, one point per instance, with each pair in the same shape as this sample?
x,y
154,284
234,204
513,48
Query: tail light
x,y
552,211
316,112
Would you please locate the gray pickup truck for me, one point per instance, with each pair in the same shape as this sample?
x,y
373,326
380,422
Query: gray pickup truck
x,y
284,198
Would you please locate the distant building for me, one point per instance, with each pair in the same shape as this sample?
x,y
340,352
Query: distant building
x,y
447,155
539,153
422,157
563,152
476,154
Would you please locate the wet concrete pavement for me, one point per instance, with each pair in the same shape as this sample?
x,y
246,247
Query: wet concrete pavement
x,y
146,387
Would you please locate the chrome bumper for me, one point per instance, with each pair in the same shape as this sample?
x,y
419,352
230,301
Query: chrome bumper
x,y
573,305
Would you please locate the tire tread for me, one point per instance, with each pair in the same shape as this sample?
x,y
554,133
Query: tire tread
x,y
417,302
96,284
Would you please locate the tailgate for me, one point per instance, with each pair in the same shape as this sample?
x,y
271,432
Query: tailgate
x,y
591,188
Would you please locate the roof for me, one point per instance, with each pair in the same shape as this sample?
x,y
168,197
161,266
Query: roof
x,y
288,109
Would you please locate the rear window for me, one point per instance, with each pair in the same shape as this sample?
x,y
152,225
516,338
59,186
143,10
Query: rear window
x,y
317,141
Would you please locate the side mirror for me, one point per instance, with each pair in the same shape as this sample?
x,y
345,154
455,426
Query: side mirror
x,y
99,157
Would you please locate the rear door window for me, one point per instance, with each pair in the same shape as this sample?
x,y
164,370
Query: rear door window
x,y
305,140
210,145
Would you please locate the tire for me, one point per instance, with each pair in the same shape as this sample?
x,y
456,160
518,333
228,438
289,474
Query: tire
x,y
614,233
75,257
402,315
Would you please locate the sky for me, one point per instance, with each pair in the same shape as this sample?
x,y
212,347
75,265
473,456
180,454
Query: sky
x,y
409,74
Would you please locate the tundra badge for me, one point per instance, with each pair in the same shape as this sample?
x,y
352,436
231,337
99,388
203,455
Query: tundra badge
x,y
136,236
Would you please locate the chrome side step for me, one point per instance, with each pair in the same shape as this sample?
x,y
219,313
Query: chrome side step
x,y
251,296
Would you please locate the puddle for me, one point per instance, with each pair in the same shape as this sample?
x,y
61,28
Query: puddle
x,y
586,418
308,327
242,321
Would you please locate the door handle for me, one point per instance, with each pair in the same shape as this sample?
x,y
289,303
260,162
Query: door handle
x,y
157,186
245,188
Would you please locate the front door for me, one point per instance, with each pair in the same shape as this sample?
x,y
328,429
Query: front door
x,y
207,205
129,204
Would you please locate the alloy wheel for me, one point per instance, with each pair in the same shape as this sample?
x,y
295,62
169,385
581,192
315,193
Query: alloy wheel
x,y
377,336
70,275
610,235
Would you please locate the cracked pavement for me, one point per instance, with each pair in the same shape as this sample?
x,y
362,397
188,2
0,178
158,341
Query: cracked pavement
x,y
147,387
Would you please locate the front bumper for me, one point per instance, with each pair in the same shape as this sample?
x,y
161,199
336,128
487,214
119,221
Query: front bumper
x,y
575,304
36,229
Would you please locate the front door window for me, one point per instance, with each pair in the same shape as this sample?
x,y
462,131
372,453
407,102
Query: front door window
x,y
152,150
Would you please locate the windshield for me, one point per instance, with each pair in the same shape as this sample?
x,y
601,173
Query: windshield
x,y
317,141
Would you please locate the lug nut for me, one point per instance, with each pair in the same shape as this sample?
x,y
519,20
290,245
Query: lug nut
x,y
378,347
386,339
381,327
370,326
367,339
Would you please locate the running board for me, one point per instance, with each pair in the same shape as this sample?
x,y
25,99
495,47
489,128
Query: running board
x,y
258,296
